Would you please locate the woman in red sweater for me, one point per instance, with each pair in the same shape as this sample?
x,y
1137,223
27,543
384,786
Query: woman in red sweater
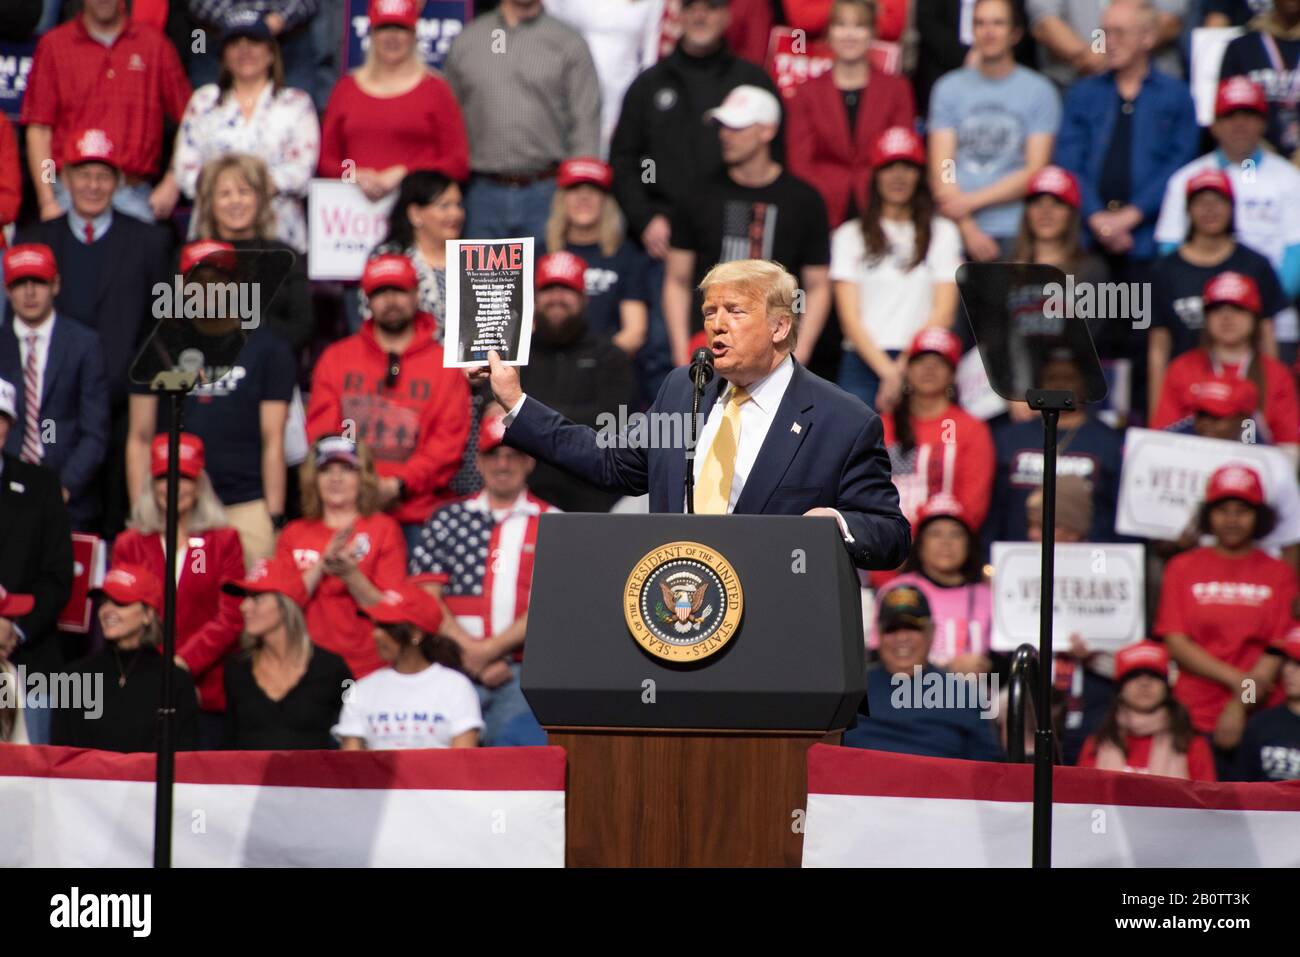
x,y
347,550
208,553
1230,347
1146,729
833,119
392,115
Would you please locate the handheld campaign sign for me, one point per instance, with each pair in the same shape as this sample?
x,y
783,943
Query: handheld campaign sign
x,y
489,301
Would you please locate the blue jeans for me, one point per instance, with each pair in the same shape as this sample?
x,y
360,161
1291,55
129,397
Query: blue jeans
x,y
858,378
497,211
129,200
507,719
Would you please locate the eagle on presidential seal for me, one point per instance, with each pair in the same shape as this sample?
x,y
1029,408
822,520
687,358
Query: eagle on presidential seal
x,y
684,596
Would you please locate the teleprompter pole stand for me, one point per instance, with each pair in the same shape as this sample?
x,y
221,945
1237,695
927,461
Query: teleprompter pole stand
x,y
174,385
1051,403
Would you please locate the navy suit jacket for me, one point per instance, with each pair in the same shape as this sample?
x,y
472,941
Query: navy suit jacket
x,y
74,397
824,449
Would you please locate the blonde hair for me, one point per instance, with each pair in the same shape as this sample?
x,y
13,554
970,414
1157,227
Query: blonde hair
x,y
295,628
255,174
767,281
367,495
611,228
148,519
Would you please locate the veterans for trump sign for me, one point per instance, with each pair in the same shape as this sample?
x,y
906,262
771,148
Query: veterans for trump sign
x,y
1099,595
1163,482
344,226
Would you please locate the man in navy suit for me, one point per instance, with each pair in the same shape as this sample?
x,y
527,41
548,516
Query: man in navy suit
x,y
777,440
62,396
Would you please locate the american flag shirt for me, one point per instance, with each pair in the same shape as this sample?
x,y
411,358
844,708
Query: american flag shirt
x,y
483,558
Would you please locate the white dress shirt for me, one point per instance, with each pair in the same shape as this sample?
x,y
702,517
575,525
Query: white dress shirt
x,y
43,332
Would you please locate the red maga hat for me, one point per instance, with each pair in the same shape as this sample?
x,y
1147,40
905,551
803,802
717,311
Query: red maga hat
x,y
1055,181
562,269
408,605
1222,396
128,584
491,433
942,505
30,261
895,144
270,575
939,340
208,251
1144,656
1235,481
389,271
398,13
191,448
585,169
1239,93
1215,180
14,605
1231,288
90,146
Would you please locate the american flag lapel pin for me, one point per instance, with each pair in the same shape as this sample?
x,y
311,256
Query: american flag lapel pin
x,y
796,428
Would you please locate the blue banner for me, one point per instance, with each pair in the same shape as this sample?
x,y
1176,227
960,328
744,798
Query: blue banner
x,y
440,22
15,65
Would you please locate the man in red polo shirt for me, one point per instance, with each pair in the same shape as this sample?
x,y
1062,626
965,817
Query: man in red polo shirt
x,y
115,74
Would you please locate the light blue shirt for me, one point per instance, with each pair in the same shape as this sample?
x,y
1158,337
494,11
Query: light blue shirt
x,y
101,223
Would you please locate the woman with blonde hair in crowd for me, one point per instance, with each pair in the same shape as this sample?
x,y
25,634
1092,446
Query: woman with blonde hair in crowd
x,y
13,727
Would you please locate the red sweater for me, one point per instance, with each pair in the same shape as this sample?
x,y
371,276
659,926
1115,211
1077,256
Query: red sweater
x,y
821,149
208,622
953,454
1200,760
11,181
331,613
421,129
417,429
1279,403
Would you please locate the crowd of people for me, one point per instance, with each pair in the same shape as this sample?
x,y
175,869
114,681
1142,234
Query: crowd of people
x,y
351,517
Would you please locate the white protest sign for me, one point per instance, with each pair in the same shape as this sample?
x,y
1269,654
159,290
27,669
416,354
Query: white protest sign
x,y
1164,477
343,228
1208,44
1099,595
489,301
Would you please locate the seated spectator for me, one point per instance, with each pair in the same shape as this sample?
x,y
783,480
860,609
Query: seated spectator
x,y
102,69
129,669
208,553
346,549
287,22
572,370
1146,729
387,382
63,405
531,97
250,110
991,127
486,613
1230,347
755,209
585,220
13,726
944,565
1087,448
240,418
11,180
422,699
1221,607
1265,189
1178,278
957,729
935,446
831,136
1270,745
282,692
892,271
36,560
1066,31
1219,407
1269,53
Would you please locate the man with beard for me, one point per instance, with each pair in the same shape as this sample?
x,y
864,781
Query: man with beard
x,y
386,386
572,370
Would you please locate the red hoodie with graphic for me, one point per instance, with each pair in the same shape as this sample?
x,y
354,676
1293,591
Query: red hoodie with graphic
x,y
417,427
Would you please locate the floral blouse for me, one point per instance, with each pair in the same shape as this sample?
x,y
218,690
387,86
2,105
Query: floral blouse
x,y
283,132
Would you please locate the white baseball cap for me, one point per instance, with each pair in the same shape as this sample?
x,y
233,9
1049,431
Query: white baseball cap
x,y
745,106
8,400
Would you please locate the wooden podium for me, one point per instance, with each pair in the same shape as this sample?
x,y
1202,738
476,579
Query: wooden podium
x,y
696,763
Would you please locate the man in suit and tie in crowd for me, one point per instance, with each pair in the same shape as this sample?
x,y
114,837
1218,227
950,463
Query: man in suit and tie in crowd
x,y
58,371
777,440
36,560
118,261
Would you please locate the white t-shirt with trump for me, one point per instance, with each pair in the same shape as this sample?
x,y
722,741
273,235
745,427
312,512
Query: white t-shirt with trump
x,y
393,711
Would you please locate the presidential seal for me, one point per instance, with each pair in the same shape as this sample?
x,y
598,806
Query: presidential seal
x,y
683,602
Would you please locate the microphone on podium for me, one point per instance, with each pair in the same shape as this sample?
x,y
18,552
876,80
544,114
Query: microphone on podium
x,y
701,376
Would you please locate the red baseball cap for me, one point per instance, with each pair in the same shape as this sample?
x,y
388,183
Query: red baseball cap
x,y
406,606
1215,180
942,505
936,339
14,605
585,169
1240,93
1055,181
270,575
191,449
491,433
1235,481
562,269
30,261
1290,643
90,146
128,584
1231,288
214,253
400,13
1149,656
1222,397
897,143
389,271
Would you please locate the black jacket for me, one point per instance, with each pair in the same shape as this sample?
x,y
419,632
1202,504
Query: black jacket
x,y
663,120
35,556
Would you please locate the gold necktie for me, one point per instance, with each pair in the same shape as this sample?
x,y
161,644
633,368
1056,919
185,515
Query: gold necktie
x,y
713,491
